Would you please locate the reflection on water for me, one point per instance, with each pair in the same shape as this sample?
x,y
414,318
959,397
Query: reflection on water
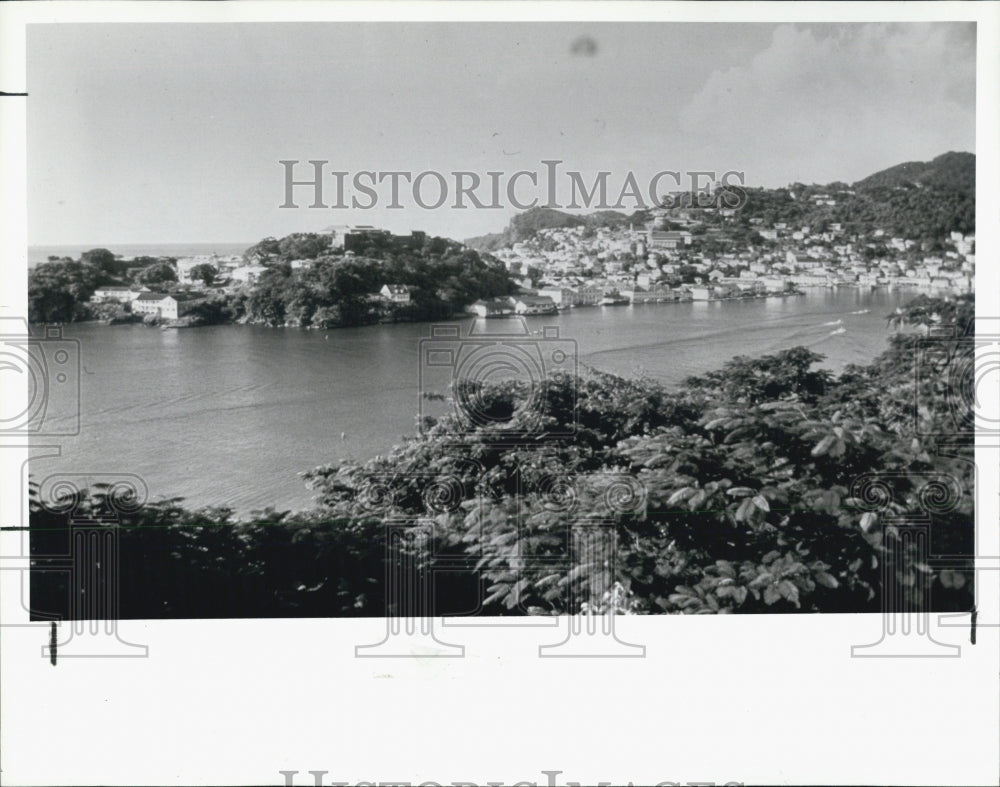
x,y
231,414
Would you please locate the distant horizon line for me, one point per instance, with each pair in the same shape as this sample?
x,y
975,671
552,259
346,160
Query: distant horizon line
x,y
108,245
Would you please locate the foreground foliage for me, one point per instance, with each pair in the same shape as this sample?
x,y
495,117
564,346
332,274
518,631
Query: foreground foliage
x,y
767,486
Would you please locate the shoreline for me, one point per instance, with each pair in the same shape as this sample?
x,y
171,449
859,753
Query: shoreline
x,y
178,324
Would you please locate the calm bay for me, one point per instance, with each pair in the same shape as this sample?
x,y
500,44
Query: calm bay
x,y
229,415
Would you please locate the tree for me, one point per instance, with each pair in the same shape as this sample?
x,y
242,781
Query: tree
x,y
303,245
443,277
57,290
145,261
103,259
266,248
157,275
205,272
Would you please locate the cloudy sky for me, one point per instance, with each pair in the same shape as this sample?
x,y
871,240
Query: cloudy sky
x,y
173,133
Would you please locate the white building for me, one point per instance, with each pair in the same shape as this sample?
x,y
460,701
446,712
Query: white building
x,y
119,294
169,307
533,304
248,274
396,293
495,307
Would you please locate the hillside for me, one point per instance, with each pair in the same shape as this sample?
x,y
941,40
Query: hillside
x,y
955,171
920,200
525,225
335,289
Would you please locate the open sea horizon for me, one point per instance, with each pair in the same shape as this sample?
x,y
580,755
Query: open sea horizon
x,y
39,254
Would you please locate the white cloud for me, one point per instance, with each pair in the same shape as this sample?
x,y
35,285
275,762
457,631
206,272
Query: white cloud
x,y
840,101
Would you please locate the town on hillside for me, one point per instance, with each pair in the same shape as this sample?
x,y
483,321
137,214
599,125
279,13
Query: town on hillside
x,y
911,226
671,259
697,254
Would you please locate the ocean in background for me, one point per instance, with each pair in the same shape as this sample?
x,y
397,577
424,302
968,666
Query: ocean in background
x,y
37,254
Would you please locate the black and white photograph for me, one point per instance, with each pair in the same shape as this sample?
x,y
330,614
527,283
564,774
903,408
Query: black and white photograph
x,y
439,356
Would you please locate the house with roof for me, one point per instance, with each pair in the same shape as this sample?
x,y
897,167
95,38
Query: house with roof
x,y
119,294
491,307
166,306
562,297
395,293
248,274
801,260
664,239
648,293
533,304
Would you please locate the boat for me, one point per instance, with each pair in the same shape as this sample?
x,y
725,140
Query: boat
x,y
614,299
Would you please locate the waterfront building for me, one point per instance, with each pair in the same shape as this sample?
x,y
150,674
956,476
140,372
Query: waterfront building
x,y
119,294
168,307
493,307
562,297
395,293
533,304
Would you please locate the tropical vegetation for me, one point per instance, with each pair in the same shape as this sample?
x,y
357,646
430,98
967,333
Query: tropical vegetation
x,y
770,485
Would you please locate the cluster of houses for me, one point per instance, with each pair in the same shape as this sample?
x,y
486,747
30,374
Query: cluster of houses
x,y
174,305
569,264
545,300
232,269
168,306
567,267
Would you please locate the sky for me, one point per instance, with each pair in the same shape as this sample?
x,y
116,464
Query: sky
x,y
172,133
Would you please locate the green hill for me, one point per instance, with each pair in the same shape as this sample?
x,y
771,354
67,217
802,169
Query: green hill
x,y
526,225
920,200
954,171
